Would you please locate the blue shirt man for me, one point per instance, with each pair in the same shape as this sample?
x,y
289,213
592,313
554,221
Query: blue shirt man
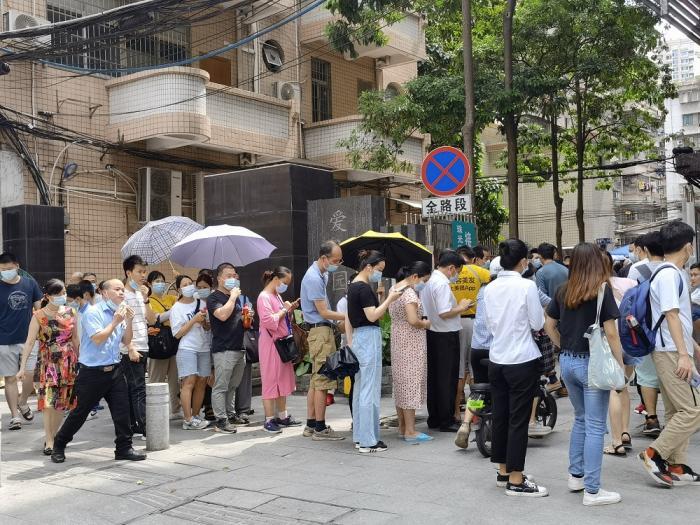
x,y
313,288
92,321
552,274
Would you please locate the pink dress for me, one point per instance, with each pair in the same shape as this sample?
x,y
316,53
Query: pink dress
x,y
278,379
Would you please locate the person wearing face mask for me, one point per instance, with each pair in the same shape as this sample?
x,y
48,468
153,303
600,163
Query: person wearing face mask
x,y
320,318
365,339
278,379
665,459
228,353
18,297
164,370
444,312
636,254
54,326
513,311
190,325
409,350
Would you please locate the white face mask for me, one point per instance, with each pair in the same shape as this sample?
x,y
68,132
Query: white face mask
x,y
188,291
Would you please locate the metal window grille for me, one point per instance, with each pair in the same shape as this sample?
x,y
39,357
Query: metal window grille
x,y
320,90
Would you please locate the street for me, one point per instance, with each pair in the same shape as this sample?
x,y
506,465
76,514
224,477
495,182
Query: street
x,y
251,478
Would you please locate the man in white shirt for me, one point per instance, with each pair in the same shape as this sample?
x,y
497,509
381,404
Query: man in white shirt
x,y
134,355
665,459
443,311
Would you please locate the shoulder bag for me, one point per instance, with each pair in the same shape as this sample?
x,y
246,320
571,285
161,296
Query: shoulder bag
x,y
604,372
286,347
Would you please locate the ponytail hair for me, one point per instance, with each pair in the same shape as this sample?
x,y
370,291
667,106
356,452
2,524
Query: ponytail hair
x,y
419,268
280,272
512,252
369,257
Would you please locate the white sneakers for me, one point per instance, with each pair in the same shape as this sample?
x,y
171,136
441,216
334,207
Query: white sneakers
x,y
575,484
537,429
602,497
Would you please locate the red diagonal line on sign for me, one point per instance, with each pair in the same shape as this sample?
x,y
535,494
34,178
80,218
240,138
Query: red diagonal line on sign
x,y
445,171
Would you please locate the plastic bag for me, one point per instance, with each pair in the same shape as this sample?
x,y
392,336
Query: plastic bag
x,y
340,364
604,372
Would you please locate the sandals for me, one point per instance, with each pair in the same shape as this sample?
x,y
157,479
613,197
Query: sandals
x,y
627,443
615,450
47,450
26,412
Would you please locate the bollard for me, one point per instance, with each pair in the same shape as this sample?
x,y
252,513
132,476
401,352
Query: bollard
x,y
157,416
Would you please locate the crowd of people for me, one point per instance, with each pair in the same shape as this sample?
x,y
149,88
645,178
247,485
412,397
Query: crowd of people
x,y
470,318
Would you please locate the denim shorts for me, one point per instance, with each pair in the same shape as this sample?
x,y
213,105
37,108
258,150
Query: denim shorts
x,y
191,363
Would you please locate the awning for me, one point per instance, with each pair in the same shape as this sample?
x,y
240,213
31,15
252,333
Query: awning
x,y
412,204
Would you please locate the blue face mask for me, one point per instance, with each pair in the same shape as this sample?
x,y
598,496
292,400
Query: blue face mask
x,y
74,305
160,288
134,285
232,283
282,288
419,287
59,300
188,291
9,275
375,277
94,287
202,293
333,268
112,305
454,278
537,263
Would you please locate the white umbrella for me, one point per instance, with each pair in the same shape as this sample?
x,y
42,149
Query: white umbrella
x,y
156,239
213,245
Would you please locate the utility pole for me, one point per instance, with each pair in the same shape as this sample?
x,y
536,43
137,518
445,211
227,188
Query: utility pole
x,y
469,119
509,123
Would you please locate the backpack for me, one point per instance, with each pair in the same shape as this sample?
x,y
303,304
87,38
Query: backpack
x,y
637,335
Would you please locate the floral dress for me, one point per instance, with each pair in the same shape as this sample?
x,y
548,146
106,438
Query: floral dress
x,y
409,355
57,365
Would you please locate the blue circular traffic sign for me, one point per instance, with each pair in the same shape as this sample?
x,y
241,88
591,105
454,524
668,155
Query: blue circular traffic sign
x,y
445,171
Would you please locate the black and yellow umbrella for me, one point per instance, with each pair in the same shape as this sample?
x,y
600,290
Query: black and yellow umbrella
x,y
398,249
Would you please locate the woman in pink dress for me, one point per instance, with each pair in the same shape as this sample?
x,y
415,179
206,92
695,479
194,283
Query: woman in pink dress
x,y
278,379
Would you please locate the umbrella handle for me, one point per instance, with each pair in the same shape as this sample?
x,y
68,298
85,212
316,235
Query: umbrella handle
x,y
172,268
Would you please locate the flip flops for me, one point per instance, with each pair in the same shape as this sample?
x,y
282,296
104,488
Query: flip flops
x,y
615,450
419,438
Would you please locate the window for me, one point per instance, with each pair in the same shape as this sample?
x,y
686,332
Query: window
x,y
688,120
392,91
364,85
320,90
272,55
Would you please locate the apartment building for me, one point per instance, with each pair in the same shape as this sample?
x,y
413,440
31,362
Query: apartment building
x,y
286,96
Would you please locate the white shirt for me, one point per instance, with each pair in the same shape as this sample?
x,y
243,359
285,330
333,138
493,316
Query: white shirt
x,y
197,339
513,309
636,275
664,296
437,298
139,341
342,308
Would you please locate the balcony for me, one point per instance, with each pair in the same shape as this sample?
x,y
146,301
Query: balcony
x,y
321,145
175,107
405,39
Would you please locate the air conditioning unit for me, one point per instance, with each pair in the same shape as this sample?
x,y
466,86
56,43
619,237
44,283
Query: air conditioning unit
x,y
287,90
14,20
247,159
160,193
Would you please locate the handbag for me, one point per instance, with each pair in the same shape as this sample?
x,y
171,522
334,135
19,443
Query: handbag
x,y
546,347
340,364
162,344
286,346
604,372
250,344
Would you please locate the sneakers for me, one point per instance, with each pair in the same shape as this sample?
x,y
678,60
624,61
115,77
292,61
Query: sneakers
x,y
224,426
652,428
288,421
683,475
379,447
237,419
526,489
575,484
462,439
502,479
308,431
26,412
537,429
602,497
194,424
15,424
92,415
656,467
640,409
326,435
272,427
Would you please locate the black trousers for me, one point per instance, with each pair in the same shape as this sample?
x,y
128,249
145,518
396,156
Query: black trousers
x,y
135,374
443,373
90,387
512,391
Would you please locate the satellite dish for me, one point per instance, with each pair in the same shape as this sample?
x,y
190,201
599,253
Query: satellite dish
x,y
69,171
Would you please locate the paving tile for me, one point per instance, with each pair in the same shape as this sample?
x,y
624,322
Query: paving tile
x,y
366,517
243,499
300,509
200,512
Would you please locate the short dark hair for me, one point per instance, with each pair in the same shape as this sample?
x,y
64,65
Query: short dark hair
x,y
223,266
100,286
466,251
179,280
205,277
652,242
420,268
512,252
639,241
86,287
326,248
547,250
479,251
73,291
89,273
155,274
7,257
132,262
450,258
534,251
695,266
675,235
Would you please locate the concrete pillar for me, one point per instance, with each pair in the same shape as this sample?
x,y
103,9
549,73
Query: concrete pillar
x,y
157,416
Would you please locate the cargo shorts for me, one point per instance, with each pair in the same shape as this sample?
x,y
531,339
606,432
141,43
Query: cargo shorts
x,y
321,345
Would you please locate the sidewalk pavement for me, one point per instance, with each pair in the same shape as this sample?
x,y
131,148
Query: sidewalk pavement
x,y
252,477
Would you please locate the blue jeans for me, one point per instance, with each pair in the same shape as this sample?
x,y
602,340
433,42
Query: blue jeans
x,y
367,391
591,412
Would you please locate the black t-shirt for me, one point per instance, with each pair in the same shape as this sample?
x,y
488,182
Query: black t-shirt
x,y
574,323
226,335
360,296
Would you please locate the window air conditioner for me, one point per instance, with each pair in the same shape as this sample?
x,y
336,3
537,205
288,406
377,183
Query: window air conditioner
x,y
160,193
14,20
